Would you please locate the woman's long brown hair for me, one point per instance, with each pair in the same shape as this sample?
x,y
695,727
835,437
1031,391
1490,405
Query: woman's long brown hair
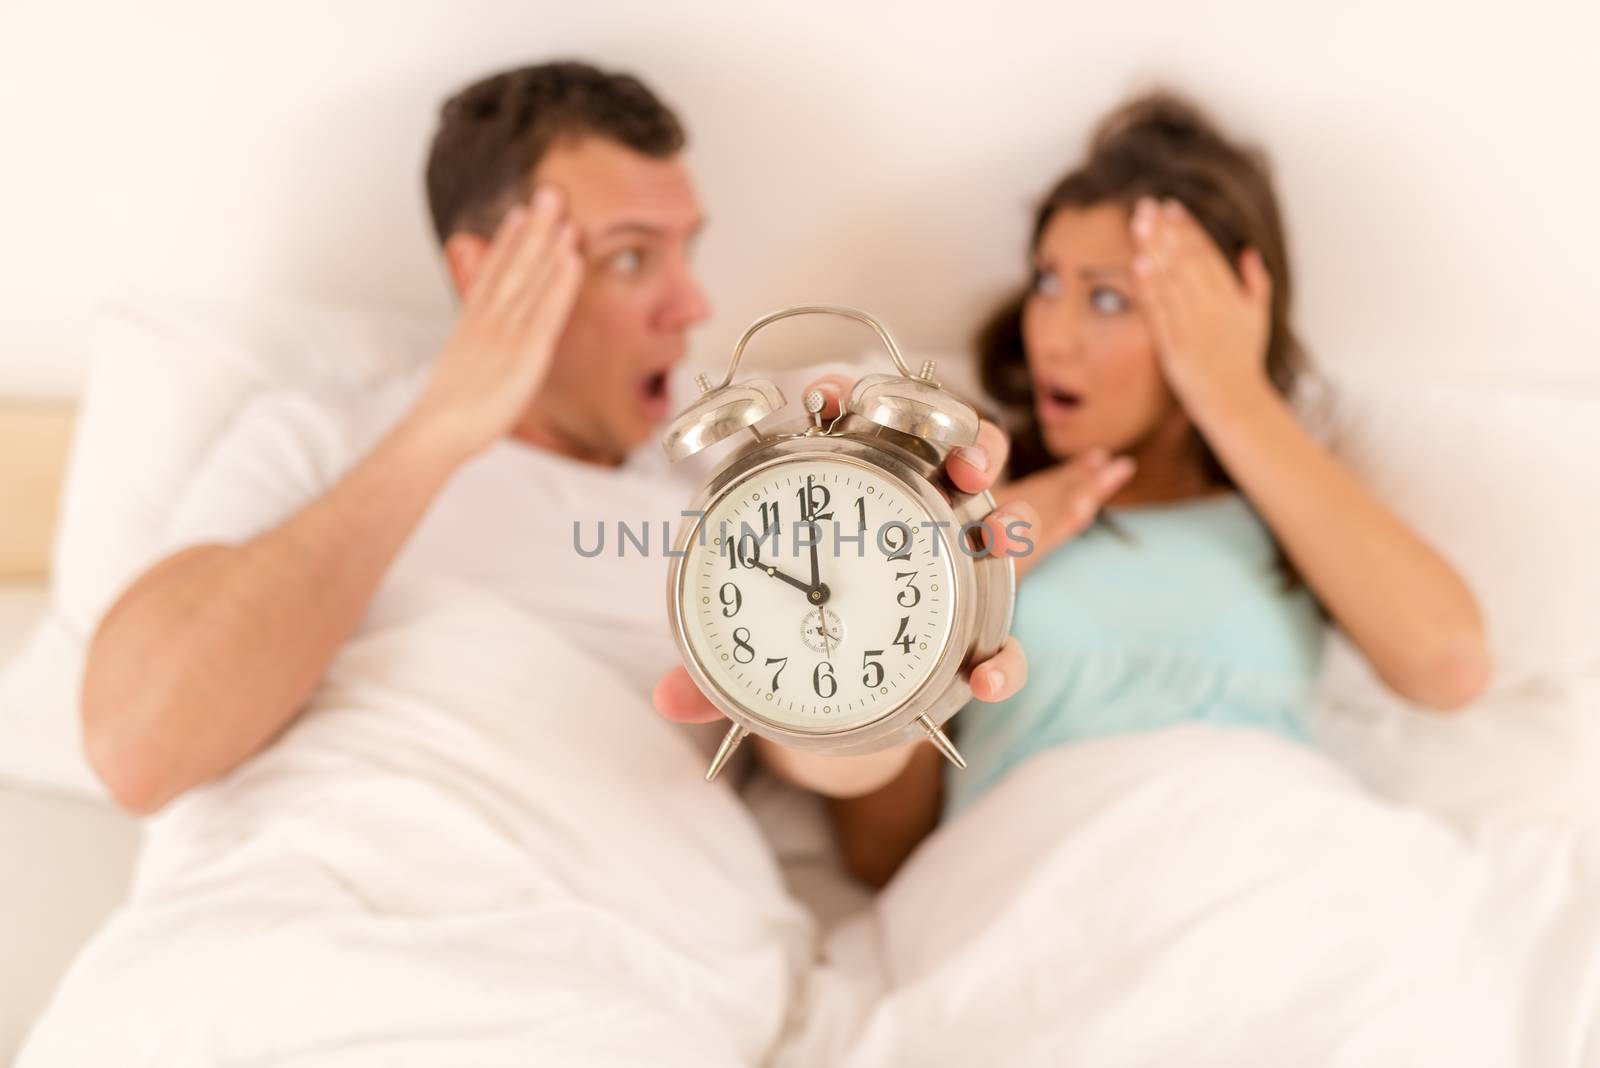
x,y
1156,145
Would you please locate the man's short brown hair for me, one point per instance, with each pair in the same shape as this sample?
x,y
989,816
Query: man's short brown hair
x,y
493,133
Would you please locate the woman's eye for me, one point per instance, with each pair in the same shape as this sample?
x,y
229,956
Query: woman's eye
x,y
1045,282
627,261
1107,301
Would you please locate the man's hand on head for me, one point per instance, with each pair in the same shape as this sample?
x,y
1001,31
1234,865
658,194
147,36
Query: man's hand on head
x,y
972,468
512,315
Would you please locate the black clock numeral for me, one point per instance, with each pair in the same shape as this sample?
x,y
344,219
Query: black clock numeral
x,y
732,600
861,511
824,674
769,517
743,651
868,679
813,499
900,548
743,551
782,662
901,638
909,578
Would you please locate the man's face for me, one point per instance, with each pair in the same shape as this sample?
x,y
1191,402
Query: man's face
x,y
637,218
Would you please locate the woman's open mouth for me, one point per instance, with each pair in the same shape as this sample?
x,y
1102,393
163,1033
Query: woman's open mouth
x,y
1053,402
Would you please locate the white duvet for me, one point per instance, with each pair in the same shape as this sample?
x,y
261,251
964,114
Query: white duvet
x,y
1210,897
478,848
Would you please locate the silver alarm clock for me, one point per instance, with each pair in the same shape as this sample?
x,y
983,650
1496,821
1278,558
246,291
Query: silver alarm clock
x,y
830,592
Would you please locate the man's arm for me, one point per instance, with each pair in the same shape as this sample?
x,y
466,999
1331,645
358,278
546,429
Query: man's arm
x,y
211,653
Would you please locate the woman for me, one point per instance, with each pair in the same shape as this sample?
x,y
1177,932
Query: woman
x,y
1156,330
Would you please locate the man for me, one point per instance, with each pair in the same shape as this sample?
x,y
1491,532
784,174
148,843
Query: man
x,y
566,219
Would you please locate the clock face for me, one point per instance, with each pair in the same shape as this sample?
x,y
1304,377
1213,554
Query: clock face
x,y
828,649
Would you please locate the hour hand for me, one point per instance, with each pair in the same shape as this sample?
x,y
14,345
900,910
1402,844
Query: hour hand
x,y
803,587
814,594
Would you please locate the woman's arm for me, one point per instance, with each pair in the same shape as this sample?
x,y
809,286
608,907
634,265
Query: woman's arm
x,y
1400,602
1403,606
878,831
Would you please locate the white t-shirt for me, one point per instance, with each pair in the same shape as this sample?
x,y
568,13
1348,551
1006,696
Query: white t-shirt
x,y
504,520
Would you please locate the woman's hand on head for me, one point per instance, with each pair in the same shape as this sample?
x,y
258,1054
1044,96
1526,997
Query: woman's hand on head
x,y
973,469
1211,325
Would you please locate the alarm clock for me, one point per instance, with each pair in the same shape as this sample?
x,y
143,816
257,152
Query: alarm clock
x,y
831,590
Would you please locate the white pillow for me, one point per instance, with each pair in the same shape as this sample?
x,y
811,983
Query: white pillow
x,y
1501,482
40,740
165,378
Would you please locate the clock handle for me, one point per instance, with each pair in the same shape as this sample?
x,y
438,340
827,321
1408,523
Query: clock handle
x,y
816,309
730,742
941,741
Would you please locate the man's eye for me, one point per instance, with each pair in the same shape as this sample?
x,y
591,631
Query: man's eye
x,y
627,261
1045,282
1107,301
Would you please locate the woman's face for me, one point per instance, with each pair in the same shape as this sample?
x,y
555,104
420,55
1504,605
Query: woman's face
x,y
1097,380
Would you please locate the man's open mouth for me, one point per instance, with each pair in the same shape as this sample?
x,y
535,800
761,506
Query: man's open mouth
x,y
654,395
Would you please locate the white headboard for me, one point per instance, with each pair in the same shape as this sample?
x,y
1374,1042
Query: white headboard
x,y
1436,161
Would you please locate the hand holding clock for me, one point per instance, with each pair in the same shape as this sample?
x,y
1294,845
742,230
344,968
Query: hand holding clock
x,y
972,469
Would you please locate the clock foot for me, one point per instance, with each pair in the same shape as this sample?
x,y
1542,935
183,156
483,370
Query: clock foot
x,y
941,741
730,742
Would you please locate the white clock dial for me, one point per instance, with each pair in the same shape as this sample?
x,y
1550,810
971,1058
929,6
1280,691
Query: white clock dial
x,y
825,653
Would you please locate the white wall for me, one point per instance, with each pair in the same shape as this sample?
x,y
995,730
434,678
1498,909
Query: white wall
x,y
1439,164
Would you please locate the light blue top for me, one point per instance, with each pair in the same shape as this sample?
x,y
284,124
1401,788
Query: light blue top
x,y
1172,613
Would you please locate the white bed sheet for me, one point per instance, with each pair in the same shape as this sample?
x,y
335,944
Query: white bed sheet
x,y
69,859
66,862
1220,898
476,845
21,604
390,884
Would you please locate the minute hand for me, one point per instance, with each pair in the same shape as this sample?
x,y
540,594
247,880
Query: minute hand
x,y
816,536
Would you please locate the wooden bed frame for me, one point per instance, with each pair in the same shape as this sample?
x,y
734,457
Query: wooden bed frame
x,y
34,437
